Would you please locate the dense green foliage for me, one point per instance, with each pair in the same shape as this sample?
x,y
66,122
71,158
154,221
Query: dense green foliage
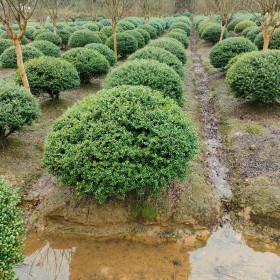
x,y
47,48
137,35
40,31
5,44
179,37
255,76
160,55
124,26
222,52
242,25
124,140
8,58
50,75
107,30
126,43
4,35
274,43
233,23
145,34
152,31
252,34
212,33
106,51
156,75
17,108
171,45
64,36
11,228
49,36
88,62
83,37
181,25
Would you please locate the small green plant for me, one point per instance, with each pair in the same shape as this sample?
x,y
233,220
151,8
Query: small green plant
x,y
47,48
137,35
254,129
49,36
152,31
50,75
212,33
64,36
242,25
11,229
145,34
181,25
103,49
179,37
5,44
83,37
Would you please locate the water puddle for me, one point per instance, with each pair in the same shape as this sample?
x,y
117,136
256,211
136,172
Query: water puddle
x,y
225,256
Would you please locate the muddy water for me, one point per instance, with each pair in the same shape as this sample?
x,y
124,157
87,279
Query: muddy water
x,y
224,256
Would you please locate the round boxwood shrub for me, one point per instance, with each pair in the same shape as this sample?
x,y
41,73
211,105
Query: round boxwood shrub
x,y
50,75
103,49
152,73
259,41
274,43
102,37
181,31
152,31
40,31
160,55
11,229
243,25
255,76
49,36
137,35
222,52
157,26
247,30
171,45
88,62
8,58
17,108
47,48
126,140
107,30
126,43
125,26
179,37
203,25
29,32
233,23
91,26
182,26
64,36
252,34
145,34
212,33
83,37
5,44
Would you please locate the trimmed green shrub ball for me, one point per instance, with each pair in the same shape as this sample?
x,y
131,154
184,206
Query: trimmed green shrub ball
x,y
11,228
233,23
152,31
64,36
181,31
29,32
222,52
50,75
102,37
106,51
91,26
126,43
151,73
203,24
255,76
212,33
253,33
182,26
247,30
179,37
24,40
274,43
243,25
160,55
124,26
88,62
40,31
17,108
107,30
47,48
83,37
125,140
145,34
8,58
137,35
51,37
157,26
171,45
5,44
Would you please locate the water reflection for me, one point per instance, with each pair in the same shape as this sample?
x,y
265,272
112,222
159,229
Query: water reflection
x,y
226,256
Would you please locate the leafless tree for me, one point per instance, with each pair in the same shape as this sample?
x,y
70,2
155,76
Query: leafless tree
x,y
19,12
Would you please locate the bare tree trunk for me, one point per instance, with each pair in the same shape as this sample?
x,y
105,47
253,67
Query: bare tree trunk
x,y
266,38
114,25
54,22
22,73
223,30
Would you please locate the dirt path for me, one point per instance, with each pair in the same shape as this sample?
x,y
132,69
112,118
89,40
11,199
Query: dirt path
x,y
215,156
